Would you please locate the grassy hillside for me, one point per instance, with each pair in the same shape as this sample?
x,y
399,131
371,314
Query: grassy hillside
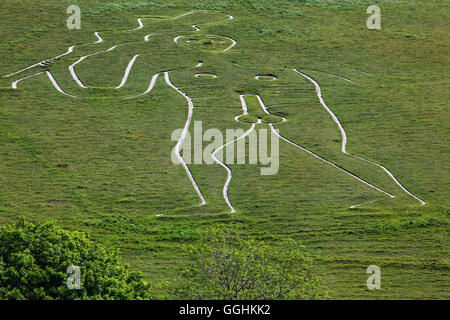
x,y
102,164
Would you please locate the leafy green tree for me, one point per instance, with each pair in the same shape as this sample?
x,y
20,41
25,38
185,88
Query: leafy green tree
x,y
226,267
34,259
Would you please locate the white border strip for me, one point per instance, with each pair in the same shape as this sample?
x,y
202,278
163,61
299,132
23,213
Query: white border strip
x,y
72,70
127,72
183,136
150,87
56,85
330,163
234,43
141,25
69,50
344,137
14,84
229,173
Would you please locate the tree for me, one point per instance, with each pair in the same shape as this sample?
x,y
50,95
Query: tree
x,y
34,259
226,267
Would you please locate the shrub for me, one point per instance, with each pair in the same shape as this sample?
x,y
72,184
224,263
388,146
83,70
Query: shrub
x,y
226,267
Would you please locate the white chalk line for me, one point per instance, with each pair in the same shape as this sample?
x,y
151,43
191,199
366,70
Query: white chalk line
x,y
14,84
98,37
244,107
153,81
141,25
230,17
365,203
127,72
176,39
233,43
56,85
69,50
183,137
205,74
225,50
344,78
344,137
330,163
355,69
261,103
147,37
337,76
150,87
181,15
260,77
229,173
227,168
99,40
172,18
59,89
72,66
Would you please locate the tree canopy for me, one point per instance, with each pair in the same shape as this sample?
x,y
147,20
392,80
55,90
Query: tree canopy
x,y
34,260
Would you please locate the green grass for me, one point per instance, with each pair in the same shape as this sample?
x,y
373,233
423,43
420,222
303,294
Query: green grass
x,y
103,165
255,112
205,42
